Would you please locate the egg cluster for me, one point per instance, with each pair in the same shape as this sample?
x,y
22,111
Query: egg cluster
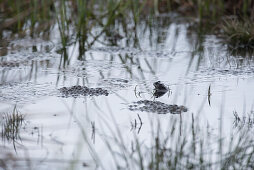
x,y
156,107
76,91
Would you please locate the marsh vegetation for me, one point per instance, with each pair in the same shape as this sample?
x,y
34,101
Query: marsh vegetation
x,y
126,84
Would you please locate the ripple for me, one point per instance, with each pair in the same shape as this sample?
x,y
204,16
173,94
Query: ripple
x,y
25,92
114,83
36,44
138,53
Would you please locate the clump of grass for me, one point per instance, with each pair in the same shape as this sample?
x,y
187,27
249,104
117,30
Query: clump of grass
x,y
11,125
243,121
77,18
239,34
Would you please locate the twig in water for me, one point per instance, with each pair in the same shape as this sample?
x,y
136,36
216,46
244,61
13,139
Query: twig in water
x,y
134,126
209,95
140,119
135,91
141,123
93,131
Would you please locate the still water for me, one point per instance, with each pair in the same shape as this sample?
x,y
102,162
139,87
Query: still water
x,y
198,70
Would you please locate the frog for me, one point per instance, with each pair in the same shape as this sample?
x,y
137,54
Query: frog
x,y
159,89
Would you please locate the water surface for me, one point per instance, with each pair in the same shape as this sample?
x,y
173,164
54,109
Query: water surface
x,y
199,70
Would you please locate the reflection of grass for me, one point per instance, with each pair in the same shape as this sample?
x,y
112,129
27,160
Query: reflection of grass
x,y
243,121
179,147
113,19
110,15
11,125
193,149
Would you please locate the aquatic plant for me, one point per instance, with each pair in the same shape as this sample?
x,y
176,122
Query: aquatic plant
x,y
76,20
239,34
84,23
11,125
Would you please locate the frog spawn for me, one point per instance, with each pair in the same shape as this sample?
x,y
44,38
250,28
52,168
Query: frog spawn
x,y
9,64
156,107
76,91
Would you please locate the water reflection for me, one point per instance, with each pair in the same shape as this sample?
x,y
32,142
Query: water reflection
x,y
137,125
119,55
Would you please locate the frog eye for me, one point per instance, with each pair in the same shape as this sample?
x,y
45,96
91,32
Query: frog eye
x,y
156,83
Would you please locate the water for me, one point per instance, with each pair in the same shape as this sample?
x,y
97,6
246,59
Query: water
x,y
188,63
